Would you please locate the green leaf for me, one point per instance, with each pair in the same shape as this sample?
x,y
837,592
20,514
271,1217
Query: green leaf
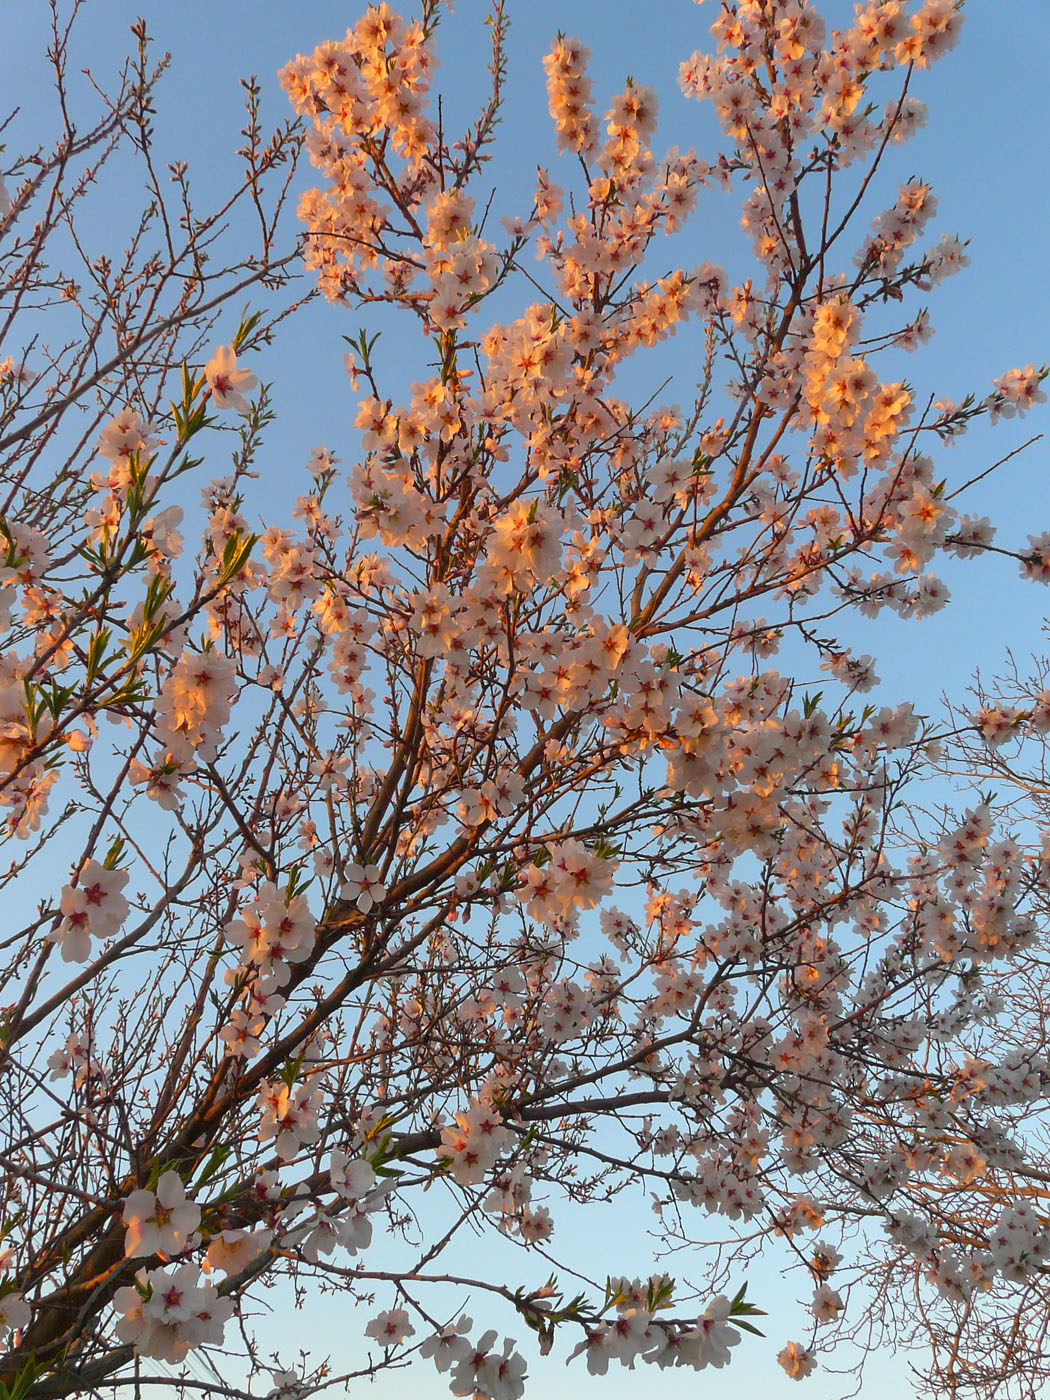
x,y
96,653
747,1327
290,1071
23,1382
213,1164
235,555
248,324
115,854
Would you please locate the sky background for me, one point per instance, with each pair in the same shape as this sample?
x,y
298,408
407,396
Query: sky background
x,y
982,150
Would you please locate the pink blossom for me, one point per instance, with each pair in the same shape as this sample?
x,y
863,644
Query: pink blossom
x,y
159,1222
226,382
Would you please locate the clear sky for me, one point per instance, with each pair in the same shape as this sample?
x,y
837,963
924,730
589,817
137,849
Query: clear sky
x,y
983,150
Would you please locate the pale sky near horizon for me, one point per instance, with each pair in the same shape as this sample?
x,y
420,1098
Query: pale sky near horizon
x,y
981,150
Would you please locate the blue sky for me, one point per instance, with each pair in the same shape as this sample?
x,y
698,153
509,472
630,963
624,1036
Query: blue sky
x,y
982,152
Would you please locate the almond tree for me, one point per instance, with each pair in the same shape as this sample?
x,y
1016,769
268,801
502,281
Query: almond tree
x,y
452,855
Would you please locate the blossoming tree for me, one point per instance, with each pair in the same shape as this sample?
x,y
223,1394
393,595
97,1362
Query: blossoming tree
x,y
453,854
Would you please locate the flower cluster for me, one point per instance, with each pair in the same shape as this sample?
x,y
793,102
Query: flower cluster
x,y
92,907
473,1142
570,879
164,1314
569,96
635,1332
289,1115
273,933
161,1221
